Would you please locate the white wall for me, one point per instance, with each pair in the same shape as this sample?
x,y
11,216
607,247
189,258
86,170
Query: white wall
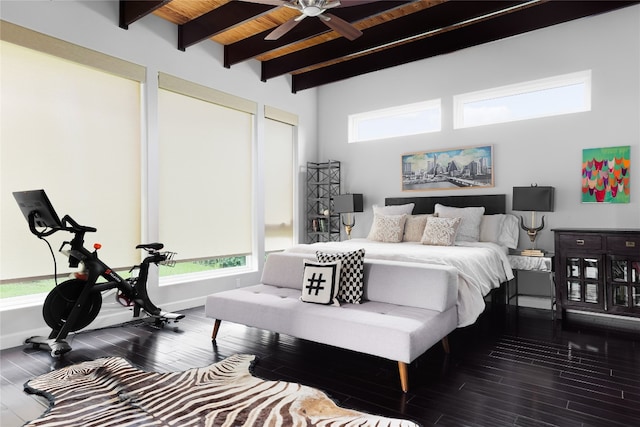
x,y
545,151
152,42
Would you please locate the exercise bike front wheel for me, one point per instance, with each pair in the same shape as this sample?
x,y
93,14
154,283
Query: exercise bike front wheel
x,y
62,299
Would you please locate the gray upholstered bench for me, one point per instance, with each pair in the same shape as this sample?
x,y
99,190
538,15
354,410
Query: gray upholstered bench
x,y
406,309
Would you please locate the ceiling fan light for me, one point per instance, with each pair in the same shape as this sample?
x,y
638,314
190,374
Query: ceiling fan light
x,y
312,11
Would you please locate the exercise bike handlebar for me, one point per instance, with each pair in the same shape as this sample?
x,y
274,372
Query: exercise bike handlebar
x,y
75,227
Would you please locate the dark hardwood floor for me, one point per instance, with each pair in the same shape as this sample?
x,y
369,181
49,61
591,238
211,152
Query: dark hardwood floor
x,y
508,369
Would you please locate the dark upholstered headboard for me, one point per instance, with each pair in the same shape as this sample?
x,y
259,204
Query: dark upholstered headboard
x,y
493,203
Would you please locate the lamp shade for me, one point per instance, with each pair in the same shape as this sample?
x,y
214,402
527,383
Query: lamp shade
x,y
347,203
533,198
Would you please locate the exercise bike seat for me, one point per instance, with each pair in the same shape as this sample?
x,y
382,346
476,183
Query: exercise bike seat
x,y
154,246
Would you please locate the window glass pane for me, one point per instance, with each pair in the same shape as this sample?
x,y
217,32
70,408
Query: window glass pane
x,y
618,270
620,296
558,95
574,291
205,178
591,293
278,183
73,131
591,268
573,267
411,119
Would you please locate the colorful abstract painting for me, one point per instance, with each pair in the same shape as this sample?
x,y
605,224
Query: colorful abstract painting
x,y
605,175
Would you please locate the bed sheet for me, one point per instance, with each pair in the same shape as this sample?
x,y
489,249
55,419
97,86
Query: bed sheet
x,y
482,266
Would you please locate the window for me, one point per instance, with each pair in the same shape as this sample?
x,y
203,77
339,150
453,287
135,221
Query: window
x,y
205,175
73,131
565,94
279,179
403,120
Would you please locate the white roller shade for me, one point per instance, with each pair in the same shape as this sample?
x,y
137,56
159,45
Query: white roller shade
x,y
205,177
279,173
74,131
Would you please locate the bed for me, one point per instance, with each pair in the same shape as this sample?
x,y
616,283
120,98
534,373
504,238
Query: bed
x,y
482,263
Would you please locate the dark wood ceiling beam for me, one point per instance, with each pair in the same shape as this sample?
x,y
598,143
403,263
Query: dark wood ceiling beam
x,y
218,20
544,15
257,45
411,25
132,10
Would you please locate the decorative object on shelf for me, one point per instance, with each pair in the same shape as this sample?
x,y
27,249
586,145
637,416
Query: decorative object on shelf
x,y
348,204
460,168
605,175
533,199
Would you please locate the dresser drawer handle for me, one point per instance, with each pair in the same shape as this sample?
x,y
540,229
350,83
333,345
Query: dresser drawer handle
x,y
579,242
630,244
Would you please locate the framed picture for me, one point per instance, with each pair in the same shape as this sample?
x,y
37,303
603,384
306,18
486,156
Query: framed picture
x,y
459,168
606,175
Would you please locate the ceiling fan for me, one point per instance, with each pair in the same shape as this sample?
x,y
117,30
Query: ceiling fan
x,y
313,8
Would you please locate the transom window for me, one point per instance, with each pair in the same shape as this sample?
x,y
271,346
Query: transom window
x,y
403,120
564,94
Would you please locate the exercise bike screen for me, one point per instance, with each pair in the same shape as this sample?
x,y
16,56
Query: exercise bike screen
x,y
37,201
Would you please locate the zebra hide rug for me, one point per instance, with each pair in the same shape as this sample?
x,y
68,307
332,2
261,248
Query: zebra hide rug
x,y
111,392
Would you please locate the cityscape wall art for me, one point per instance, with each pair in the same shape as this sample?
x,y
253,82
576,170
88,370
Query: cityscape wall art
x,y
458,168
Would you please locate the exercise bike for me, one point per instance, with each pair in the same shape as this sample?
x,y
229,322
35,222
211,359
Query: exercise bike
x,y
73,304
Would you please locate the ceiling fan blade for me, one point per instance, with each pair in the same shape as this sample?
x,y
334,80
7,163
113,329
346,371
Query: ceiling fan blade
x,y
331,4
341,26
284,28
271,2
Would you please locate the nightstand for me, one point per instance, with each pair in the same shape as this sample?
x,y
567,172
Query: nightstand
x,y
540,264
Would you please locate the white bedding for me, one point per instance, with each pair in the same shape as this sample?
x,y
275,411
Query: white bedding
x,y
482,265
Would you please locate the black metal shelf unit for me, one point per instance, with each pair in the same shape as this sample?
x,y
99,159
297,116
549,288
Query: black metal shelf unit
x,y
323,184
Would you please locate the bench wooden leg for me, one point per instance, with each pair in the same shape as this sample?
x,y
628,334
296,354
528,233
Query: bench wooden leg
x,y
216,326
445,344
404,376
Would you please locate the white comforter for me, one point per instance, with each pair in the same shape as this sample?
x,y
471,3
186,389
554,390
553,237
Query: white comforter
x,y
482,266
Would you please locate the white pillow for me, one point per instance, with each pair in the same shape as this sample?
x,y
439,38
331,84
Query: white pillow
x,y
387,228
469,230
320,282
490,227
414,227
510,232
394,209
440,231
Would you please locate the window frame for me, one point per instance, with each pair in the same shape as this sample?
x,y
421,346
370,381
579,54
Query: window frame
x,y
189,89
78,56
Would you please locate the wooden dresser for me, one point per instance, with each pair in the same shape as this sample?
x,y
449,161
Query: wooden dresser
x,y
598,270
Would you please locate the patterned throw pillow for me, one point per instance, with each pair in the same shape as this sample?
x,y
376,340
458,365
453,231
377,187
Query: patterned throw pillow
x,y
440,231
351,274
414,227
320,282
387,228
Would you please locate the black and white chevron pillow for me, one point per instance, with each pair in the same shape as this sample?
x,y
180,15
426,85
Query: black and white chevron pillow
x,y
351,273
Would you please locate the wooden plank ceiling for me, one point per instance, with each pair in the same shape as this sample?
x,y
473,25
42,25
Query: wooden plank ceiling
x,y
393,32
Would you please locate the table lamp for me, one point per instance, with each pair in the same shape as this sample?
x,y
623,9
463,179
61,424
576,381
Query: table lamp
x,y
534,199
348,204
